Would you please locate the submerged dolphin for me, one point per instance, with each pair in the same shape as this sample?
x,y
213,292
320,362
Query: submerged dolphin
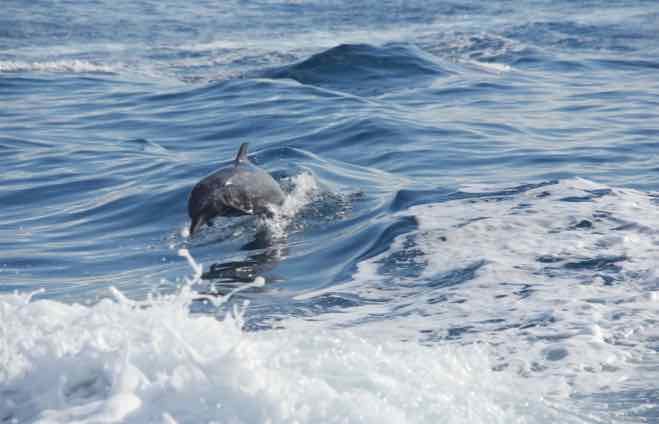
x,y
238,189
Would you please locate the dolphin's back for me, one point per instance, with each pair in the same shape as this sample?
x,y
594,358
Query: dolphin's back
x,y
251,190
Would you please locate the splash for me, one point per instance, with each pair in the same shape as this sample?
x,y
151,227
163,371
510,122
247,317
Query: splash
x,y
305,188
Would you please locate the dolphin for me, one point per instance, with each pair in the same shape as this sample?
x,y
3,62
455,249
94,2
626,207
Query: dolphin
x,y
238,189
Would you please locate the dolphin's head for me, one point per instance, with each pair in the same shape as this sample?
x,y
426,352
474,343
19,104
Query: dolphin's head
x,y
200,207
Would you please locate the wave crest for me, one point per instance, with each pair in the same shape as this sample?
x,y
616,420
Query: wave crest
x,y
363,69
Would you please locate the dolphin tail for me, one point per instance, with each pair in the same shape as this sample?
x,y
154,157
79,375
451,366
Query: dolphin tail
x,y
242,154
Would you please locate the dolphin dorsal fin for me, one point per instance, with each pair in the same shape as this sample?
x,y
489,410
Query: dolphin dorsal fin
x,y
242,154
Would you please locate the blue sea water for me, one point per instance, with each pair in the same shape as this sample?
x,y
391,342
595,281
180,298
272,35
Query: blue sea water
x,y
471,232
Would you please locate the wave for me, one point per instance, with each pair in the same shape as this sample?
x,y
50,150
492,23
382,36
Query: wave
x,y
364,69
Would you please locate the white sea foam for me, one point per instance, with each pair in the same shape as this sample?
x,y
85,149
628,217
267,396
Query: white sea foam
x,y
304,188
152,361
478,46
72,66
498,68
561,279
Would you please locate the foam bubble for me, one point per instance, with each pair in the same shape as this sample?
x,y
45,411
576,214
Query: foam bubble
x,y
185,232
73,66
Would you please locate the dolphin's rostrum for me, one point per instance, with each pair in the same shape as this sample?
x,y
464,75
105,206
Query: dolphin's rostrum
x,y
238,189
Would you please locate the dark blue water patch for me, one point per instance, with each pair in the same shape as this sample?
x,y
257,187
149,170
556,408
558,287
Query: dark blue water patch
x,y
406,264
345,253
582,224
341,137
579,107
480,218
600,263
626,64
575,158
385,239
207,118
593,194
474,89
240,272
115,119
182,95
521,290
21,145
495,129
453,277
540,320
238,128
551,63
523,188
58,98
132,210
363,69
19,86
406,198
458,332
632,226
267,315
53,191
23,262
605,267
330,302
607,95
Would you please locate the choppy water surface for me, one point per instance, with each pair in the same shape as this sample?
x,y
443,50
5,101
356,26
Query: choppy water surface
x,y
471,231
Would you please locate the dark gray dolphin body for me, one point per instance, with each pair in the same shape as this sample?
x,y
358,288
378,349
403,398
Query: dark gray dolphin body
x,y
238,189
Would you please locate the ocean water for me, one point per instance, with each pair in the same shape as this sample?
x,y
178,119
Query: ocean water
x,y
470,235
